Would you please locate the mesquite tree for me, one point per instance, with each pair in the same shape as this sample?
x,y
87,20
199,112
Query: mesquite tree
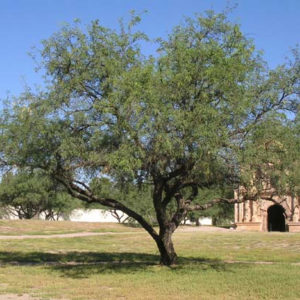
x,y
185,119
29,194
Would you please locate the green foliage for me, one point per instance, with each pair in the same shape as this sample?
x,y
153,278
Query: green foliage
x,y
109,109
29,194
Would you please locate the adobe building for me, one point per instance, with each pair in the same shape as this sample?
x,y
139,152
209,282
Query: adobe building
x,y
281,214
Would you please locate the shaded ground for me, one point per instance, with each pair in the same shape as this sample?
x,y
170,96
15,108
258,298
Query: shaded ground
x,y
74,259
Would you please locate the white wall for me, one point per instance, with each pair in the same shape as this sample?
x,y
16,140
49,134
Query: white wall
x,y
78,215
100,215
91,215
205,221
202,221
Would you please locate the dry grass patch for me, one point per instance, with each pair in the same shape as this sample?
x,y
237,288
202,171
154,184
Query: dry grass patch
x,y
37,227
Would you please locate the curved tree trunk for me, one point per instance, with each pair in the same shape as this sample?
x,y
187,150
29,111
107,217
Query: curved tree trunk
x,y
165,245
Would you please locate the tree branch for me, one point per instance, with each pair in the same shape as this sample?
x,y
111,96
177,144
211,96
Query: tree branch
x,y
87,196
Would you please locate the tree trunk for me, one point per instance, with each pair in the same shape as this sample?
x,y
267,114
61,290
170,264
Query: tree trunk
x,y
165,245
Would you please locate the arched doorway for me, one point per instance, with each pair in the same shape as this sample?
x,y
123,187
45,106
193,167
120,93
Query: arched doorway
x,y
276,218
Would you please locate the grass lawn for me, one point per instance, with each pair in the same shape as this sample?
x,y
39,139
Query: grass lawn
x,y
212,265
37,227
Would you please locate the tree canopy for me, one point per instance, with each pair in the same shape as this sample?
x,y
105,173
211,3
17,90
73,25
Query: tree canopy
x,y
28,194
205,112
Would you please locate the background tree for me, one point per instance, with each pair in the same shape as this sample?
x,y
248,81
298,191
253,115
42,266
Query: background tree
x,y
184,120
28,194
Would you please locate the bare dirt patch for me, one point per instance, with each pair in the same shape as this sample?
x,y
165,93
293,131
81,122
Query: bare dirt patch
x,y
21,297
16,297
64,235
202,229
84,234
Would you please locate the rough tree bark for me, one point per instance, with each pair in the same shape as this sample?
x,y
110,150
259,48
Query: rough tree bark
x,y
165,245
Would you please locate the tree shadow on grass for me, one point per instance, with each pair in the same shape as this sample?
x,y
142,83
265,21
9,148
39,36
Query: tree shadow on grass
x,y
84,264
74,257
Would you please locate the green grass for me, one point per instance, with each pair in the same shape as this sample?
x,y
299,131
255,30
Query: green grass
x,y
212,265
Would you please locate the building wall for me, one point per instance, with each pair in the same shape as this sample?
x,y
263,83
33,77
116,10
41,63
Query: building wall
x,y
92,215
253,215
77,215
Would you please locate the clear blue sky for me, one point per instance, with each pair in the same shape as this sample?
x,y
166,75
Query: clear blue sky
x,y
273,24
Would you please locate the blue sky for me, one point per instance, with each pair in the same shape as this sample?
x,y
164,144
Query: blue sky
x,y
273,24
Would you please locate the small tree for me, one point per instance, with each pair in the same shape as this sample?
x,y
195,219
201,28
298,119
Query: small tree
x,y
184,120
29,194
